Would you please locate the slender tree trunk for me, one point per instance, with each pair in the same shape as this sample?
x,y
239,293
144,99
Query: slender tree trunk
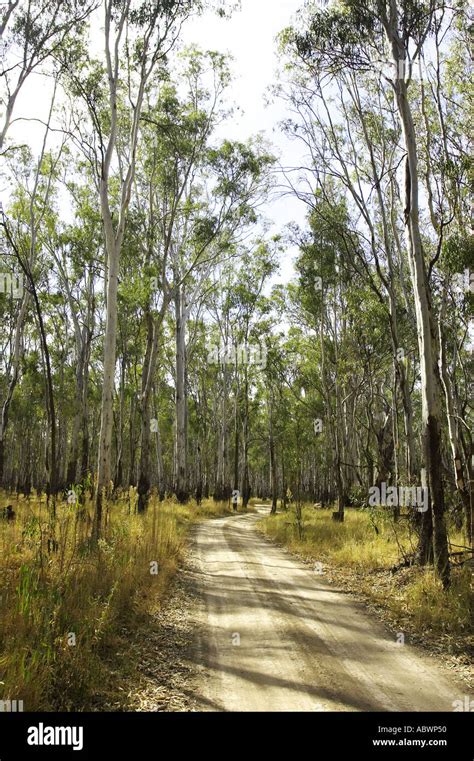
x,y
14,375
461,482
222,488
427,339
236,430
145,432
273,461
159,458
245,443
338,443
118,480
107,412
181,486
85,412
73,464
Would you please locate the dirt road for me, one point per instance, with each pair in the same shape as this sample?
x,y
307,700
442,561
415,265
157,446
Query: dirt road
x,y
273,635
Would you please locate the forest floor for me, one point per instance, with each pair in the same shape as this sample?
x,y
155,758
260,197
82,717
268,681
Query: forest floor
x,y
249,626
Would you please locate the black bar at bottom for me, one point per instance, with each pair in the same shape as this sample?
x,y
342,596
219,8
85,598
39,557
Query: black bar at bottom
x,y
107,736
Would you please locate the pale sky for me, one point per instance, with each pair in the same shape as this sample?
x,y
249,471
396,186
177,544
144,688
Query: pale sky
x,y
249,36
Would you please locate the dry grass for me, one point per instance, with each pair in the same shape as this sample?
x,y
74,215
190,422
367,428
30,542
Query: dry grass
x,y
62,601
363,559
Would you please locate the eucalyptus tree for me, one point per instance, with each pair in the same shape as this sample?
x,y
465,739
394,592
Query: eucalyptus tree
x,y
350,133
32,34
237,307
137,38
177,131
29,215
238,183
443,96
324,284
74,249
251,310
347,36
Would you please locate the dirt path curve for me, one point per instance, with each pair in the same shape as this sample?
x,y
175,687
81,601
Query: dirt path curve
x,y
272,635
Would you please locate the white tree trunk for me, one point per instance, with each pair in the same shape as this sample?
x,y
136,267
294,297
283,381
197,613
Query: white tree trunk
x,y
181,487
427,338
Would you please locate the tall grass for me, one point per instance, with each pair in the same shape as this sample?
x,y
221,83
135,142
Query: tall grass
x,y
62,600
364,549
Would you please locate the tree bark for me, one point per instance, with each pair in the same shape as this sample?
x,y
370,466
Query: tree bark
x,y
427,339
181,485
